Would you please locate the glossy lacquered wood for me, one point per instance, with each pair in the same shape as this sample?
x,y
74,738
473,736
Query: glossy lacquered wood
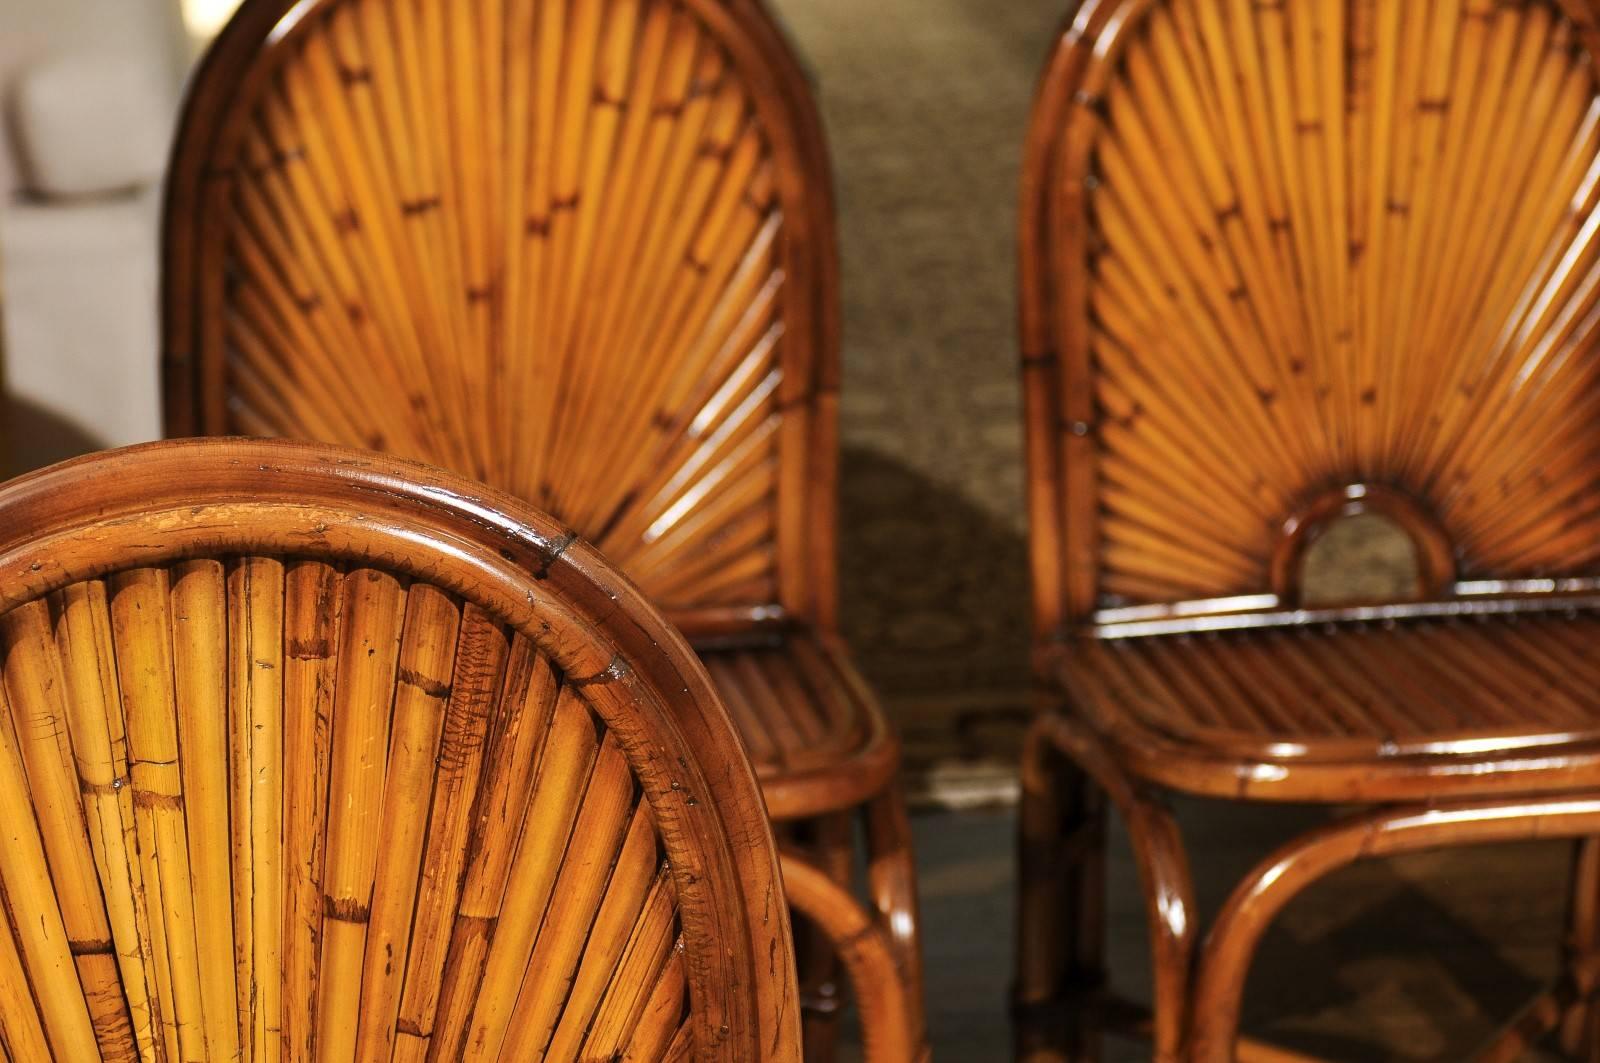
x,y
580,250
310,753
1283,264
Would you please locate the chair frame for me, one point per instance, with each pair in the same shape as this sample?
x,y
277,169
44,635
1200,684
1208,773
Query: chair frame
x,y
159,503
1076,767
263,33
814,807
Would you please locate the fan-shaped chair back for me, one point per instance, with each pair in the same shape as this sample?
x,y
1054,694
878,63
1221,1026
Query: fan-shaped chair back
x,y
310,754
580,250
1284,261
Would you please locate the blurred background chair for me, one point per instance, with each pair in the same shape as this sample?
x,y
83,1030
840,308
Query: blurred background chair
x,y
1282,265
583,252
313,753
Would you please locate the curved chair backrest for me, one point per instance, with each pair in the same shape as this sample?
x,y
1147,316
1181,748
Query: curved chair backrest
x,y
1286,261
306,753
580,250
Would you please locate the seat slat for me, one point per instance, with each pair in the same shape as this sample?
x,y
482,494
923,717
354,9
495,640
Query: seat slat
x,y
1351,686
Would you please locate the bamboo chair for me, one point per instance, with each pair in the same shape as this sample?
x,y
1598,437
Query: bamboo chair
x,y
308,753
1282,263
583,251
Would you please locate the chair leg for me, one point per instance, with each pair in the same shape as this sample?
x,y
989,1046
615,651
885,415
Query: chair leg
x,y
1580,1024
1061,909
892,878
870,958
1060,906
1230,947
829,845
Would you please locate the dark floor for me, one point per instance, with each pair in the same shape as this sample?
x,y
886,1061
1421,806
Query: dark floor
x,y
1411,959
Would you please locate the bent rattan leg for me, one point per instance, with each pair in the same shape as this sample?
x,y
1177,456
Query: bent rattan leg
x,y
1052,951
892,878
888,1031
1231,945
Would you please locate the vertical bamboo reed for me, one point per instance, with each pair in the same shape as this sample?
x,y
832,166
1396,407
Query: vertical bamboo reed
x,y
313,607
374,608
142,627
255,592
35,683
36,923
481,656
200,610
427,650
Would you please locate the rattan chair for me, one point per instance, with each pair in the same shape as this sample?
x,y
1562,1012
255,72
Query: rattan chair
x,y
583,251
1282,263
309,753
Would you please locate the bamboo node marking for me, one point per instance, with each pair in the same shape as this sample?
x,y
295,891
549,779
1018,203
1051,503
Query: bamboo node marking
x,y
345,909
434,688
309,649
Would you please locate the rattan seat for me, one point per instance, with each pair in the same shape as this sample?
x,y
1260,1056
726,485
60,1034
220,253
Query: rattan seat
x,y
1407,696
803,710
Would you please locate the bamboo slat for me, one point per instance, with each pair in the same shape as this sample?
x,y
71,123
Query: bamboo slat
x,y
306,739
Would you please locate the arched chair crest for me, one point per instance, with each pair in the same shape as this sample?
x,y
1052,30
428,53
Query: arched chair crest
x,y
309,753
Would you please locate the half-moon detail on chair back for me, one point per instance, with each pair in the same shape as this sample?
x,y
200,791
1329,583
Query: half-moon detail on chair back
x,y
1282,250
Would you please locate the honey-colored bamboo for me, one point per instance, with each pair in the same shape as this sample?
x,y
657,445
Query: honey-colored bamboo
x,y
312,613
473,253
393,784
1282,264
40,934
427,650
200,669
34,678
368,661
93,704
480,660
142,625
492,966
649,947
